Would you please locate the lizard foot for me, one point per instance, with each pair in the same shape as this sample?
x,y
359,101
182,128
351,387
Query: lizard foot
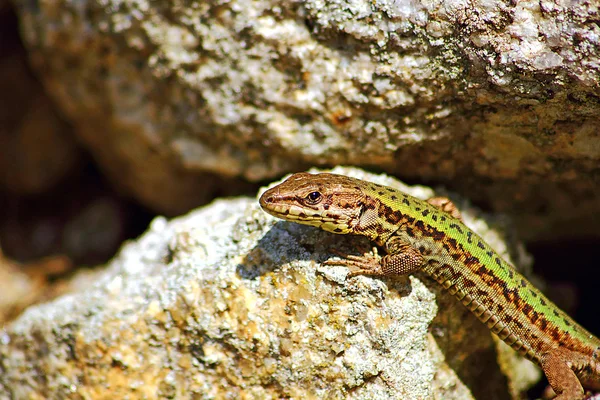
x,y
367,264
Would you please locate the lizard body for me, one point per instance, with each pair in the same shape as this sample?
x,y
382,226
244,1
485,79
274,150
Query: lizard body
x,y
418,235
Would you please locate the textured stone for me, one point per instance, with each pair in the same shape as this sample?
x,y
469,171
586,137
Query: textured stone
x,y
496,99
228,302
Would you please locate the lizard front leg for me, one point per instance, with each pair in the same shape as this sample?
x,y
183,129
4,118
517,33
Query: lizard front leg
x,y
402,259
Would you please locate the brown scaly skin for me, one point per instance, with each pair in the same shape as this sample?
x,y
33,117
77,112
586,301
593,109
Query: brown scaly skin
x,y
430,236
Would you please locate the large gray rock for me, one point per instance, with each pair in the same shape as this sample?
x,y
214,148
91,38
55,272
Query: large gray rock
x,y
496,98
228,302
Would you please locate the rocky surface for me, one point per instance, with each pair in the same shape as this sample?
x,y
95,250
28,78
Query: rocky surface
x,y
228,302
497,99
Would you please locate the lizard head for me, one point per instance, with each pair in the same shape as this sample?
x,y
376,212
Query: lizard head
x,y
331,202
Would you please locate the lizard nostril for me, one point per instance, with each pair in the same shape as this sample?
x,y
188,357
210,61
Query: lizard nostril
x,y
267,199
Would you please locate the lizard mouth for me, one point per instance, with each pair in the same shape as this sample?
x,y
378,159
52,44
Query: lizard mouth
x,y
286,209
293,212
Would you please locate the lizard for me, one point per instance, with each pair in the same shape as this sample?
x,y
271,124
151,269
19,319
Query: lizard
x,y
431,236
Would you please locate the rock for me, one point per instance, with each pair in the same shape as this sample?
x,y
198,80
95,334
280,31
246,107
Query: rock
x,y
496,99
228,302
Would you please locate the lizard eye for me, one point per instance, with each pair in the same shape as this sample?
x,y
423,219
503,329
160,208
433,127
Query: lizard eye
x,y
313,197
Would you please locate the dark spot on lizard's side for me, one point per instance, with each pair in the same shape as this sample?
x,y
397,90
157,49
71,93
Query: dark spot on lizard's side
x,y
456,227
394,217
481,245
389,189
434,217
533,293
498,262
455,256
443,219
542,301
418,208
527,309
510,295
471,261
405,201
381,193
511,275
369,206
338,230
555,313
523,282
453,243
384,210
538,343
567,323
543,324
489,253
455,276
518,323
469,236
438,236
394,198
534,317
425,213
482,270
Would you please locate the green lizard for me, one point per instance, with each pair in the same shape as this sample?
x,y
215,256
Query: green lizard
x,y
430,236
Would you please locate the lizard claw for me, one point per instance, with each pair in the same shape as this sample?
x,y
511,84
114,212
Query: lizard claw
x,y
366,264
